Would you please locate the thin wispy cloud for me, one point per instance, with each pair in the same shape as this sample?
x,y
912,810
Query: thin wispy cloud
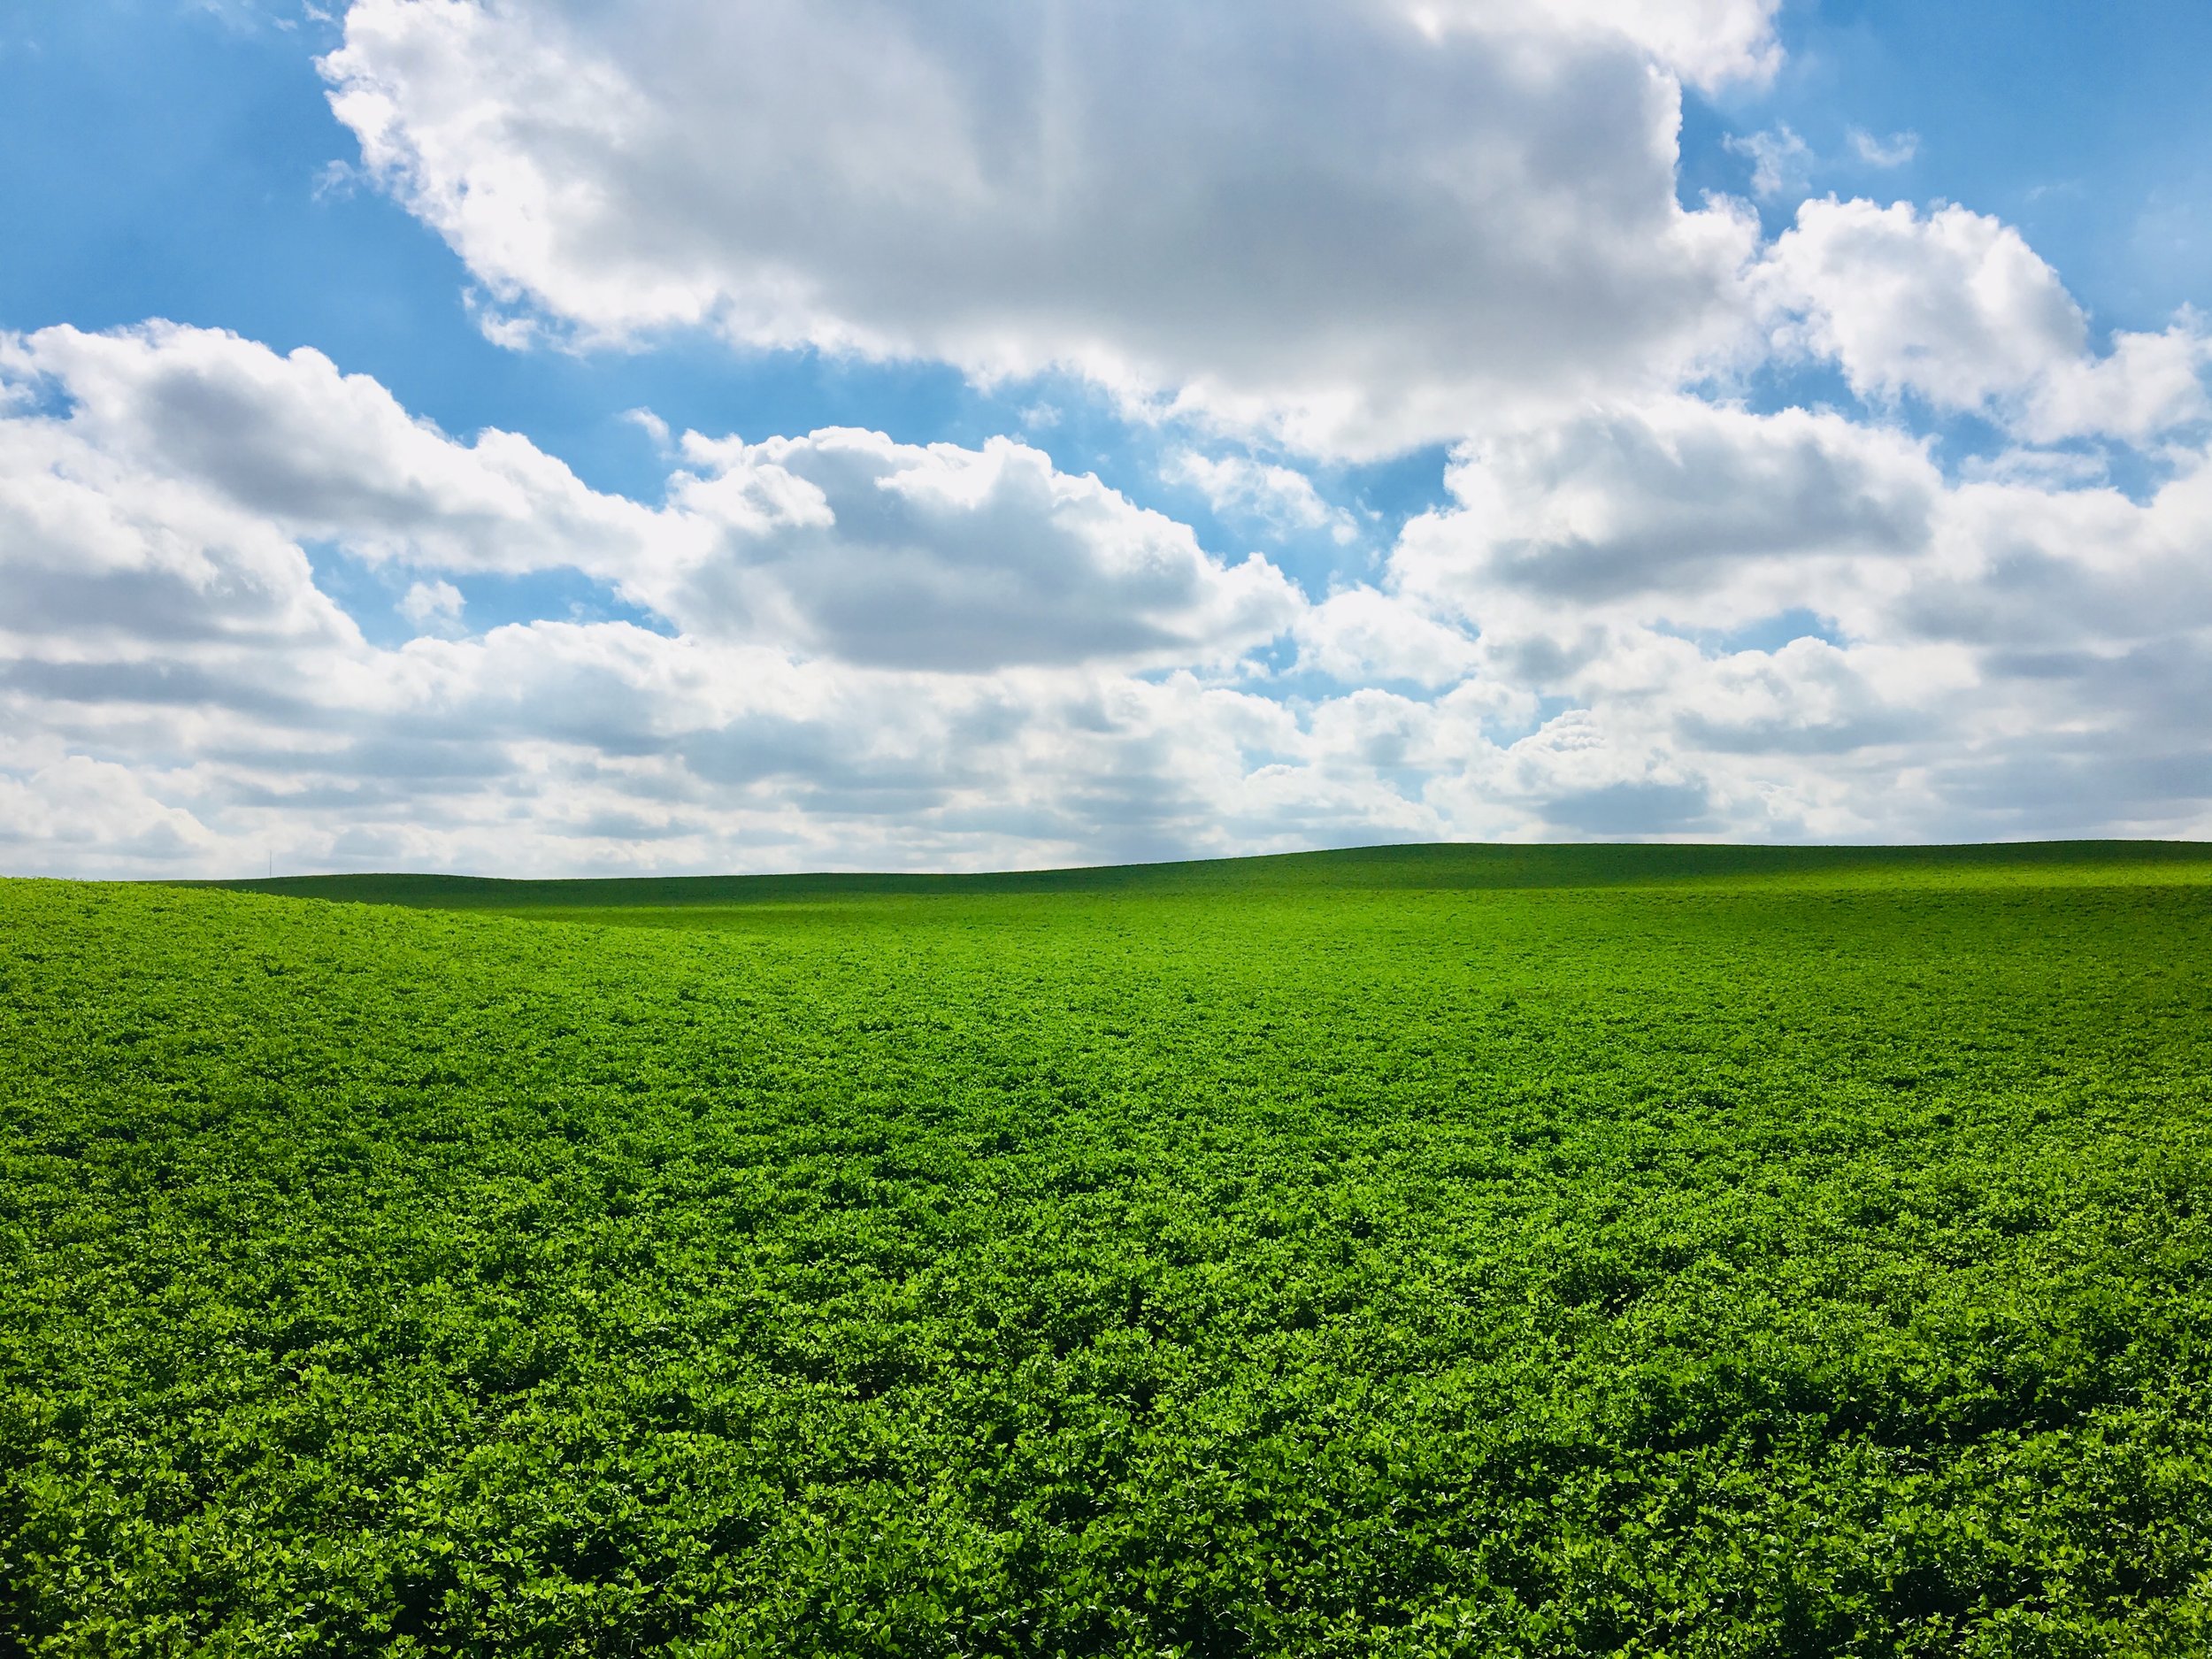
x,y
1781,162
1894,151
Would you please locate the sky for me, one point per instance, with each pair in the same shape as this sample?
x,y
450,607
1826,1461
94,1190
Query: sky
x,y
546,437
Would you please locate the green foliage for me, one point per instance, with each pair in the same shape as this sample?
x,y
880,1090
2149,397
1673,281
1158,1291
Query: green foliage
x,y
1424,1251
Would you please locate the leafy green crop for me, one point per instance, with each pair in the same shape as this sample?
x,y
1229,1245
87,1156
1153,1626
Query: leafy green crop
x,y
1428,1251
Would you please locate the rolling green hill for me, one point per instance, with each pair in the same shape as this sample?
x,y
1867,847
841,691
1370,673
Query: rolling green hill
x,y
1444,867
1412,1250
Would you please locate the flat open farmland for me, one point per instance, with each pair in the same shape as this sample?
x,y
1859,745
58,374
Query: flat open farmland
x,y
1437,1251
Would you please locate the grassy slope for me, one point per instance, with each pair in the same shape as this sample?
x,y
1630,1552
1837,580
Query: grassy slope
x,y
1448,866
1808,1255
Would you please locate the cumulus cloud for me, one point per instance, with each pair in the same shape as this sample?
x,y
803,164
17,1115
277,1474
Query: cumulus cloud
x,y
97,545
962,560
1954,307
324,456
76,815
1363,228
435,605
1259,492
1708,43
2148,383
1681,510
832,601
1361,635
1604,631
1916,638
841,543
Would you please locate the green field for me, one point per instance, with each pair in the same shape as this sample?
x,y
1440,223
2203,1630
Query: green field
x,y
1436,1250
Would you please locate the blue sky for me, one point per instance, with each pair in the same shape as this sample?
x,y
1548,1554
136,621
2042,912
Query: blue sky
x,y
1558,585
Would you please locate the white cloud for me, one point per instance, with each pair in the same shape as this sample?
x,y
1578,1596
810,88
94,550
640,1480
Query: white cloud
x,y
1707,43
1781,162
1681,511
1561,651
1894,151
847,544
1354,227
95,545
2147,384
1954,307
1359,635
78,815
836,597
324,456
434,605
1618,561
842,543
1258,492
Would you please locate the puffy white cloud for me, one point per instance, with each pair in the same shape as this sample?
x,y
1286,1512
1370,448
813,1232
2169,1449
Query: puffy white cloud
x,y
436,605
1791,624
1352,225
1811,697
92,546
1681,511
1701,521
1259,492
842,543
78,815
1954,307
1359,635
1708,43
2148,383
889,654
323,455
847,544
835,599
